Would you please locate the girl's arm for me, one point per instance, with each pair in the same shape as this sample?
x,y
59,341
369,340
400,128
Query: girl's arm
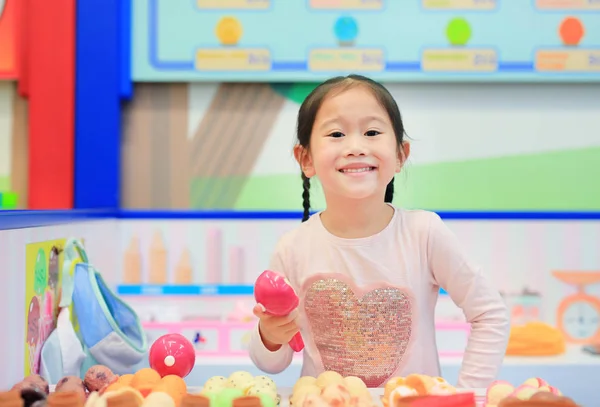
x,y
480,301
266,360
271,362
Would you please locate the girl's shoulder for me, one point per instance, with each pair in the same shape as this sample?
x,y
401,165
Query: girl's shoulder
x,y
295,236
417,220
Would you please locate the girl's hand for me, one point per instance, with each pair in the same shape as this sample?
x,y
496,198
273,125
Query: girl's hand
x,y
275,331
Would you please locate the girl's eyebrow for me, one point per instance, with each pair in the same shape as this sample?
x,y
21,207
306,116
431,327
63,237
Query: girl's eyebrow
x,y
364,120
329,122
374,118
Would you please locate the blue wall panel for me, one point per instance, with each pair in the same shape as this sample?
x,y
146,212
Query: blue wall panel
x,y
102,78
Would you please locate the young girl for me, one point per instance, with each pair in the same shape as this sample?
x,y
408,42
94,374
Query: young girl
x,y
367,273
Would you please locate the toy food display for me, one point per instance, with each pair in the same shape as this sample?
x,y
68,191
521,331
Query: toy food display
x,y
33,397
11,399
195,400
335,395
65,399
172,354
97,377
224,390
414,385
33,389
536,390
540,399
449,400
72,384
145,388
320,387
33,381
100,384
535,339
125,396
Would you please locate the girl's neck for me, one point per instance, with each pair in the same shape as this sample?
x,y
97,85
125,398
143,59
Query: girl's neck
x,y
356,219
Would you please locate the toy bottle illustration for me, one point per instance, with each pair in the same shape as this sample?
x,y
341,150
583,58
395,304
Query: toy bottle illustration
x,y
132,262
183,272
214,256
236,265
158,260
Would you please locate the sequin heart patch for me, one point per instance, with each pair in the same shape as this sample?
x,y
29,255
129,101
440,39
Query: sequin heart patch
x,y
365,337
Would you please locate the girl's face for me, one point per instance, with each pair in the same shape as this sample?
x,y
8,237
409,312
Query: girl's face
x,y
353,148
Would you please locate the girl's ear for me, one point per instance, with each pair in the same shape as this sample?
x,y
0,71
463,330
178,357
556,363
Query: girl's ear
x,y
403,153
304,159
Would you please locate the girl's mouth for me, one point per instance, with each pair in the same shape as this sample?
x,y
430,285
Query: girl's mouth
x,y
357,170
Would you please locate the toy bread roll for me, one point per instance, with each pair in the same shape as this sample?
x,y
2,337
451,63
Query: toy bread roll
x,y
304,381
421,383
265,390
336,395
314,400
240,380
391,384
329,377
299,395
356,386
264,381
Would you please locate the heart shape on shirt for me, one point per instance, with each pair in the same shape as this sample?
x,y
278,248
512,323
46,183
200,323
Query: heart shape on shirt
x,y
365,336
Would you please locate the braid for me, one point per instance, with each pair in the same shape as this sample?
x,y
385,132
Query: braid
x,y
305,197
389,192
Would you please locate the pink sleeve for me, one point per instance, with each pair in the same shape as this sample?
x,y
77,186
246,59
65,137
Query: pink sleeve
x,y
267,361
482,304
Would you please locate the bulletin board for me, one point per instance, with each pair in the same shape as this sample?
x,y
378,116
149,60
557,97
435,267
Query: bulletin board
x,y
409,40
42,294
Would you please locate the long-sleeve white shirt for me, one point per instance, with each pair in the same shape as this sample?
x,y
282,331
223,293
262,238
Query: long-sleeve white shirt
x,y
367,305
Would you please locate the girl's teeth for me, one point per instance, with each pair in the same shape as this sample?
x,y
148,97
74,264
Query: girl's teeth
x,y
357,169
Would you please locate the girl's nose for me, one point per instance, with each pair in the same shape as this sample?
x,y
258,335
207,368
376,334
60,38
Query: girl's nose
x,y
355,145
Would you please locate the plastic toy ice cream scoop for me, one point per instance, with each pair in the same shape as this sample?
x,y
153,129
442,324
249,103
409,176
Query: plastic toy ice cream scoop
x,y
172,354
277,296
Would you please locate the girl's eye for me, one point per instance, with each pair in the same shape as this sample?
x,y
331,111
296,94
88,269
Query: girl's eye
x,y
372,133
336,134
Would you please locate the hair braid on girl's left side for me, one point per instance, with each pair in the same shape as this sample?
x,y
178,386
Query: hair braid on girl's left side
x,y
305,197
389,192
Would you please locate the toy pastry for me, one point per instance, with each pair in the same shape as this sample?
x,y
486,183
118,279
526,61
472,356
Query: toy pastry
x,y
98,377
71,384
532,392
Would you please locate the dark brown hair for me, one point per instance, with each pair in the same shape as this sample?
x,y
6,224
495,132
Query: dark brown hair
x,y
311,105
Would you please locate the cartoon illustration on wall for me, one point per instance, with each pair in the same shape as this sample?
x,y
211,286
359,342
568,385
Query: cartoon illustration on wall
x,y
53,276
42,290
33,346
